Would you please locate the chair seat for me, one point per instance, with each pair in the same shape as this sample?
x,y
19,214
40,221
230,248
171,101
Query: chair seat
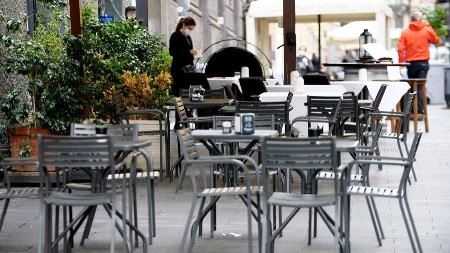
x,y
239,190
154,174
301,200
19,193
328,175
314,119
373,191
77,199
384,135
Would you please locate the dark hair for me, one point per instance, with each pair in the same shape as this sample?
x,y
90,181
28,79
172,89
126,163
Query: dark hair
x,y
187,21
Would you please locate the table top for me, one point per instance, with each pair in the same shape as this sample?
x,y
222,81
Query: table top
x,y
217,134
364,65
206,103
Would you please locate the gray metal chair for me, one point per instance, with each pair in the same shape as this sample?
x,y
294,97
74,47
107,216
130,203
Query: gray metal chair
x,y
367,149
280,111
203,187
94,154
399,193
162,131
126,133
322,110
7,192
307,156
401,133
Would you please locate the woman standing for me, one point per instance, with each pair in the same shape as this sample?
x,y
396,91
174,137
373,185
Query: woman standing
x,y
182,51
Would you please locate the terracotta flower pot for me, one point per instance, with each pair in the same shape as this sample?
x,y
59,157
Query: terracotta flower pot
x,y
21,137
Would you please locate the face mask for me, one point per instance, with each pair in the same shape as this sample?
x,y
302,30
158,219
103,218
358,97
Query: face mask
x,y
187,32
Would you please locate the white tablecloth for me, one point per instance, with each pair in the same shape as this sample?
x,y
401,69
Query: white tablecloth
x,y
351,86
219,82
298,101
394,91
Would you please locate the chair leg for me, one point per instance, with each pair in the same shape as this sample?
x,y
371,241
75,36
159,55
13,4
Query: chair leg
x,y
87,228
315,223
249,221
413,225
5,208
412,166
181,179
377,153
196,225
182,247
377,217
374,222
408,229
309,225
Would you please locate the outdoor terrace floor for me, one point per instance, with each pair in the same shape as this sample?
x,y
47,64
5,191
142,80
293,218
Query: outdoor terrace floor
x,y
429,199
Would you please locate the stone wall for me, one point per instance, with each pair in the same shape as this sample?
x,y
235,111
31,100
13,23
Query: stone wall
x,y
17,10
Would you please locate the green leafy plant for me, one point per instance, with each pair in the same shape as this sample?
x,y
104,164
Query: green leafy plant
x,y
51,97
112,50
437,19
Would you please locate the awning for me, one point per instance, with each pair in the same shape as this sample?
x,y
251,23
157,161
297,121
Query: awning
x,y
330,10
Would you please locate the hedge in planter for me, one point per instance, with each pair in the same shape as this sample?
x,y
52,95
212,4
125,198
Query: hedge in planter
x,y
124,58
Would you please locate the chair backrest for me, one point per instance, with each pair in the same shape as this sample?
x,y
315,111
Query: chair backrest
x,y
251,87
316,79
300,154
118,133
123,132
280,110
187,144
181,110
261,121
378,97
217,93
70,152
411,158
407,107
78,129
324,106
197,78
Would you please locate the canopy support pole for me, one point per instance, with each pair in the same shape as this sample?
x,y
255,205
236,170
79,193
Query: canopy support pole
x,y
319,21
75,17
289,38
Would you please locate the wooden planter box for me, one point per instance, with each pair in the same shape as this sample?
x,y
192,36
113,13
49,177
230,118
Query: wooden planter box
x,y
21,137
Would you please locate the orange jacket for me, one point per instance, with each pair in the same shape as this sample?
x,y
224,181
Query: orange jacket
x,y
414,41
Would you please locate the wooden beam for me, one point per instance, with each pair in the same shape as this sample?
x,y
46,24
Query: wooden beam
x,y
290,44
75,17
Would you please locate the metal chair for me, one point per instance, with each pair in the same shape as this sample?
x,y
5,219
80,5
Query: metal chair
x,y
401,133
322,110
7,192
399,193
93,154
252,87
280,110
184,121
367,149
162,131
126,133
203,188
306,156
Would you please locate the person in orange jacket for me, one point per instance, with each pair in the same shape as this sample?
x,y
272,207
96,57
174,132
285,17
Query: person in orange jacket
x,y
413,48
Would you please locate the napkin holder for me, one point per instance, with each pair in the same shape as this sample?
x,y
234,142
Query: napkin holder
x,y
244,123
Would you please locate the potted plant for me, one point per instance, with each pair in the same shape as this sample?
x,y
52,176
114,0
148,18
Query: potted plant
x,y
125,66
51,97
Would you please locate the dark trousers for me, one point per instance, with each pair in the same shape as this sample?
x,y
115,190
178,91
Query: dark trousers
x,y
418,69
